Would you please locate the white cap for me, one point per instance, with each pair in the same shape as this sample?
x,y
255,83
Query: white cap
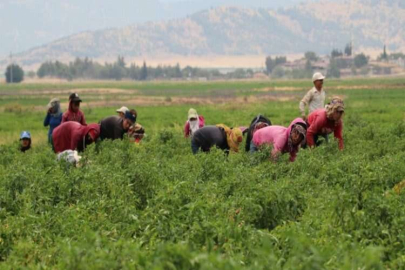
x,y
317,77
123,109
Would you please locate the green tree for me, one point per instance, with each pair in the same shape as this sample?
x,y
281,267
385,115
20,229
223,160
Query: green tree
x,y
336,53
349,49
384,55
311,56
177,72
360,60
272,63
278,72
333,70
121,61
144,72
14,74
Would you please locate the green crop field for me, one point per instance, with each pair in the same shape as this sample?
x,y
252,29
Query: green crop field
x,y
156,206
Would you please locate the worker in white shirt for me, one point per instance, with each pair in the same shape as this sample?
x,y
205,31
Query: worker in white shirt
x,y
315,98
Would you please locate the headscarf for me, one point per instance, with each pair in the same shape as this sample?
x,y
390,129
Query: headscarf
x,y
234,137
336,104
55,105
137,132
194,125
301,130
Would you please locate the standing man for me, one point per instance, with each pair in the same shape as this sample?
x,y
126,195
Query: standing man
x,y
315,98
74,113
114,127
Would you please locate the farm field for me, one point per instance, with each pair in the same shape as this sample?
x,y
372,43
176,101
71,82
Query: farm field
x,y
156,206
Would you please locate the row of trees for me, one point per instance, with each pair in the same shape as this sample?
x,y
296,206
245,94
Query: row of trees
x,y
87,69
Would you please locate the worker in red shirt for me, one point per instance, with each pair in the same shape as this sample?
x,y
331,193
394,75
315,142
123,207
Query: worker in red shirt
x,y
325,121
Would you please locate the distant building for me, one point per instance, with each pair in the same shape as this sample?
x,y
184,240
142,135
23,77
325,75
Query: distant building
x,y
383,68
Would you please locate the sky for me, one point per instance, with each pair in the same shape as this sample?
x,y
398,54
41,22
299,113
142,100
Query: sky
x,y
29,23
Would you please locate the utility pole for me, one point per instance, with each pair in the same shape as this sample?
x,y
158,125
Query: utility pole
x,y
11,67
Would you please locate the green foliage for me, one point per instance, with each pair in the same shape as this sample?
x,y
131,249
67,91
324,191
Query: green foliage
x,y
14,74
333,70
154,205
278,72
336,53
360,60
311,56
273,63
87,69
349,49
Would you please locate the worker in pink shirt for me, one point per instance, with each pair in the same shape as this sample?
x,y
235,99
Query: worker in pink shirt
x,y
282,139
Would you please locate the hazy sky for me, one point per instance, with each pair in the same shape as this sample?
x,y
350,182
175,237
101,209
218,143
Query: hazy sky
x,y
29,23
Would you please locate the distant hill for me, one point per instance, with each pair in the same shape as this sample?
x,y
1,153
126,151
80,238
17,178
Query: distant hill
x,y
317,26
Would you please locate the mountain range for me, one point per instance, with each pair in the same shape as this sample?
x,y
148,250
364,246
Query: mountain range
x,y
317,26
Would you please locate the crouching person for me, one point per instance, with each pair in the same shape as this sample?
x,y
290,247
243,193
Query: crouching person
x,y
136,132
74,136
25,141
220,136
325,121
257,123
282,139
114,127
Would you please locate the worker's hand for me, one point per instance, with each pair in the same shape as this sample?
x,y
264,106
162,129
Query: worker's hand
x,y
50,110
304,118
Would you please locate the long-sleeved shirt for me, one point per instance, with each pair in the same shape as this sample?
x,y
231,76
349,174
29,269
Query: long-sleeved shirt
x,y
314,99
72,136
277,136
319,124
187,128
70,115
53,122
112,128
210,136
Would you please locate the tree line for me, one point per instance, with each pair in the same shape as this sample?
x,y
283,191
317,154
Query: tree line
x,y
88,69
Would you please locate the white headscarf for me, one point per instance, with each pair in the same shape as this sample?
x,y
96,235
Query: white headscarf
x,y
194,125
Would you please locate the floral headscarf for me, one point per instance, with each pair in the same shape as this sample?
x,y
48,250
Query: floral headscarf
x,y
234,137
301,130
336,104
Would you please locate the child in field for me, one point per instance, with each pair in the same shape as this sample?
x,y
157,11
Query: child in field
x,y
220,136
74,136
25,141
74,113
282,139
325,121
53,117
193,123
